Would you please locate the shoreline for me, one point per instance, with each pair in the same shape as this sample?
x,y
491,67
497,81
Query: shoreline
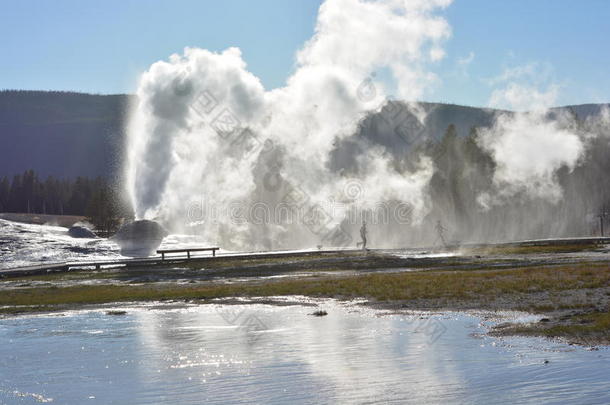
x,y
559,325
567,284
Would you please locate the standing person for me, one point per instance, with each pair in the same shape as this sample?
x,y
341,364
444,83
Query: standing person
x,y
440,230
363,236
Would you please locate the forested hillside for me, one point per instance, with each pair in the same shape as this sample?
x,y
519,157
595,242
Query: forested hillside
x,y
67,135
61,134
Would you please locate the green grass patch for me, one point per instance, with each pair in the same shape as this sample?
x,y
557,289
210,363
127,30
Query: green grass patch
x,y
535,249
462,285
591,328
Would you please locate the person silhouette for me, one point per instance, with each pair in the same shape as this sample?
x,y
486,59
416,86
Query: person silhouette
x,y
363,236
440,230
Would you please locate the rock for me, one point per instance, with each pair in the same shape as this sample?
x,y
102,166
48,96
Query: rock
x,y
78,231
585,321
116,312
545,320
319,313
139,238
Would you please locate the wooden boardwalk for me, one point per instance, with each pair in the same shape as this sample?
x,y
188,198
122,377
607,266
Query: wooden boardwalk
x,y
46,268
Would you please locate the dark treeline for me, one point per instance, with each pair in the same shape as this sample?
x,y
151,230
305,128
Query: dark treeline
x,y
27,193
464,171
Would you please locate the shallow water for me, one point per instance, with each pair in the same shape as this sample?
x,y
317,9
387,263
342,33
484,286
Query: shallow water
x,y
30,244
277,354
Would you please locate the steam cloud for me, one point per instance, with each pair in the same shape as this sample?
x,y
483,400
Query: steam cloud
x,y
528,146
210,148
206,130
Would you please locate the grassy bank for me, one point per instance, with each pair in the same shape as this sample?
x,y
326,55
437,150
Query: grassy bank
x,y
525,249
576,296
463,285
591,327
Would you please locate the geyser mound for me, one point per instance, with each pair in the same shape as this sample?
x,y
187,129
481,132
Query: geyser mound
x,y
140,238
79,231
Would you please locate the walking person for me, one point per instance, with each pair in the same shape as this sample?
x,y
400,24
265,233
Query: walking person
x,y
362,236
440,230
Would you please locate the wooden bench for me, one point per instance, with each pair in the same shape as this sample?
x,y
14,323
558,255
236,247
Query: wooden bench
x,y
187,250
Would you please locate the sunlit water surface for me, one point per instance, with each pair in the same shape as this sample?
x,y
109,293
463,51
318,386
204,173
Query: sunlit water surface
x,y
281,354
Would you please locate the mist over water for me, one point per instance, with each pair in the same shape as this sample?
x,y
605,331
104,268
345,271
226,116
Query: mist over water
x,y
212,152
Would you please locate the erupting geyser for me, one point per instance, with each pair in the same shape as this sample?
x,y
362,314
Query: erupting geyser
x,y
211,151
209,145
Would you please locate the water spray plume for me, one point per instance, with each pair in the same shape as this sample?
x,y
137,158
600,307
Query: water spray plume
x,y
211,151
206,131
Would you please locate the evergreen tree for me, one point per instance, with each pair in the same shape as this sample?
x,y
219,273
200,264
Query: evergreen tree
x,y
16,200
27,194
79,196
5,189
103,209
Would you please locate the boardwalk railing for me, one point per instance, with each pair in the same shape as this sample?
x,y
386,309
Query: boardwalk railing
x,y
187,250
38,269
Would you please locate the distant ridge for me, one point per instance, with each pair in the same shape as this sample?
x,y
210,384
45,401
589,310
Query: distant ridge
x,y
69,134
62,134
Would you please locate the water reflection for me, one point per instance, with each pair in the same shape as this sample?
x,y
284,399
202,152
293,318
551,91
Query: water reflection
x,y
200,354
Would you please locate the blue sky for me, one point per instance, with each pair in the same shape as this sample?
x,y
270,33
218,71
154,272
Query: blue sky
x,y
101,47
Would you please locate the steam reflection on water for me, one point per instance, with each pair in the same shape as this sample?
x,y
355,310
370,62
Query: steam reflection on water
x,y
218,354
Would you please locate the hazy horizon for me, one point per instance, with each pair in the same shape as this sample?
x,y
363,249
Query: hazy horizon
x,y
415,101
